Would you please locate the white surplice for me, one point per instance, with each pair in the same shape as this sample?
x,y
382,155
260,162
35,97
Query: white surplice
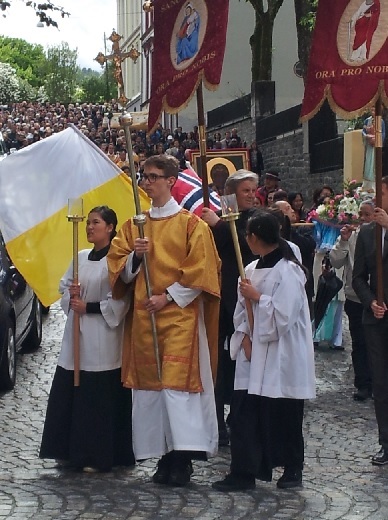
x,y
169,419
282,361
101,335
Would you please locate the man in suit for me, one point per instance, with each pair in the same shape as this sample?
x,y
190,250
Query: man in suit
x,y
375,316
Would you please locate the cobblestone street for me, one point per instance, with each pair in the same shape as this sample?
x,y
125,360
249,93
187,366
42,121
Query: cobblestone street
x,y
339,480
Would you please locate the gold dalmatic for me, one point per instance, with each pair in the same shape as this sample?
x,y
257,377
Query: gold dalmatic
x,y
183,251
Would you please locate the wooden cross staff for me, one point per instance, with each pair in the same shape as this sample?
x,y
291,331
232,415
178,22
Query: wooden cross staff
x,y
117,57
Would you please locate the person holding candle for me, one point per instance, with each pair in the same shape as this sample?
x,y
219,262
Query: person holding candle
x,y
243,184
274,363
89,427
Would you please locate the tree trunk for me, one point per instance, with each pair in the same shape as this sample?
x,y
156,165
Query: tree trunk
x,y
261,39
261,46
302,9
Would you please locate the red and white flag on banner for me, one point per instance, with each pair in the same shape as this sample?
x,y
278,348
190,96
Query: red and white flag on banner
x,y
189,46
349,57
188,193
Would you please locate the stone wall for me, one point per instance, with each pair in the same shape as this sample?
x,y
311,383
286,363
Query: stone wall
x,y
285,154
244,126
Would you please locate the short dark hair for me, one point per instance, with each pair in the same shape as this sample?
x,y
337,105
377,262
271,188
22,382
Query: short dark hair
x,y
318,191
168,164
280,195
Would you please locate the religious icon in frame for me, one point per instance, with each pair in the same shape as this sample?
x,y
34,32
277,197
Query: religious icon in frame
x,y
229,160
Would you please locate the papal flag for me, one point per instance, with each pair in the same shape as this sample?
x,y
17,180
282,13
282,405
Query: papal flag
x,y
189,46
35,185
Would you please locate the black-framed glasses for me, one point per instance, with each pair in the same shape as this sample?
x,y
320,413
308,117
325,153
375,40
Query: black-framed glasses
x,y
151,177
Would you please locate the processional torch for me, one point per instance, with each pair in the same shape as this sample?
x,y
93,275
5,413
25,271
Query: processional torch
x,y
126,121
230,213
75,215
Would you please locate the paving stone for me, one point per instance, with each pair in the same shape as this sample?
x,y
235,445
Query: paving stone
x,y
339,482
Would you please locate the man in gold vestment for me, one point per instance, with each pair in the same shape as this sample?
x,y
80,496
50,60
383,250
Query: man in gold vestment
x,y
173,418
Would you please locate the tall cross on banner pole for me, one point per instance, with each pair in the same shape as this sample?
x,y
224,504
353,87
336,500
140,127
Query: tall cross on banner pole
x,y
127,122
117,57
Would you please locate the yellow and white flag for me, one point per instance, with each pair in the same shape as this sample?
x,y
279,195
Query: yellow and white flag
x,y
35,185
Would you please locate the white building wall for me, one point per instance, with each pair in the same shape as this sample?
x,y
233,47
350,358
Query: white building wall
x,y
236,76
289,87
129,13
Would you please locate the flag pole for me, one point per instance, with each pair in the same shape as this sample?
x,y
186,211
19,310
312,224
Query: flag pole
x,y
75,216
378,179
139,220
202,146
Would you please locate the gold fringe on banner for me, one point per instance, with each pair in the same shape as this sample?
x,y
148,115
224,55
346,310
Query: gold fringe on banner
x,y
327,94
174,110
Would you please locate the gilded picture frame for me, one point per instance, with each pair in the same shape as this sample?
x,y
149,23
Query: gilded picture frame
x,y
233,159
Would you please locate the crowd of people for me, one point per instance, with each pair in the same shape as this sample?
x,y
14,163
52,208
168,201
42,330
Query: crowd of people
x,y
26,123
158,369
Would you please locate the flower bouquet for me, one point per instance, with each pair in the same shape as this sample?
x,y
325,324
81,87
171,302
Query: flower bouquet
x,y
341,209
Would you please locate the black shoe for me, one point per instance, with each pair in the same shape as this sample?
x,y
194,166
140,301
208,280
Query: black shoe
x,y
162,474
233,482
336,347
362,394
381,458
291,478
180,474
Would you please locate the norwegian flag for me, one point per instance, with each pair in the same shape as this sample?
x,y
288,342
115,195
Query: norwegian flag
x,y
187,191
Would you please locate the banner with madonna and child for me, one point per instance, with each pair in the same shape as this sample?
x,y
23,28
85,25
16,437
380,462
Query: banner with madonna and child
x,y
189,46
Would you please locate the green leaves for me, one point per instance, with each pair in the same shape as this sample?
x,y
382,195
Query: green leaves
x,y
26,58
61,71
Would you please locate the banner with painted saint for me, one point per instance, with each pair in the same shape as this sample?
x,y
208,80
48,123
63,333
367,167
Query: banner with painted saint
x,y
349,57
189,46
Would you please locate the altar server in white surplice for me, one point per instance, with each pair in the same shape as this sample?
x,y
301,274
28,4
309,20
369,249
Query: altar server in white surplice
x,y
89,427
274,363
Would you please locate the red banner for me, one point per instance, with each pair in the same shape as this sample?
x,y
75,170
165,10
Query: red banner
x,y
349,57
189,46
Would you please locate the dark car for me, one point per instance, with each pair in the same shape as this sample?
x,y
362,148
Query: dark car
x,y
20,318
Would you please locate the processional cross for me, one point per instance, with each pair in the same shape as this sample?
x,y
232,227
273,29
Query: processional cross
x,y
127,122
117,57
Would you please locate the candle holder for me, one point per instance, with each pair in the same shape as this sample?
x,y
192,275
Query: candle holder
x,y
75,214
229,207
230,213
75,210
